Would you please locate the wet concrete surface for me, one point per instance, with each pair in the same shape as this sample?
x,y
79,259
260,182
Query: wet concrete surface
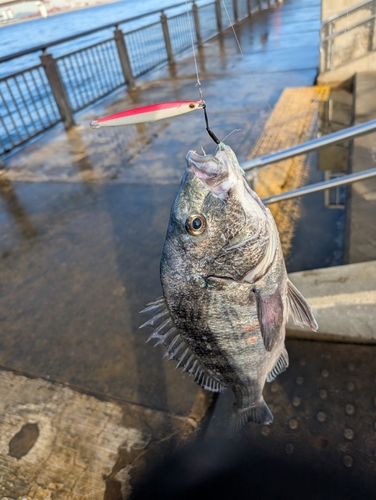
x,y
81,258
73,287
84,213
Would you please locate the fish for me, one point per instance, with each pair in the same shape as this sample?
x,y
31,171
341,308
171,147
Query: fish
x,y
148,113
226,295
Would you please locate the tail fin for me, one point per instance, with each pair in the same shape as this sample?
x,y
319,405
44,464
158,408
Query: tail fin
x,y
258,413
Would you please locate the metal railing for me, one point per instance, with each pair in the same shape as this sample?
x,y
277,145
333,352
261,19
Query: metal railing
x,y
348,35
252,167
321,186
34,99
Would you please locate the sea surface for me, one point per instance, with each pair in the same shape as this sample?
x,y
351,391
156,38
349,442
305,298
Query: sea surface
x,y
21,36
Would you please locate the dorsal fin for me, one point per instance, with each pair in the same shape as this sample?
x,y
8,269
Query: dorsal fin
x,y
299,309
177,349
280,366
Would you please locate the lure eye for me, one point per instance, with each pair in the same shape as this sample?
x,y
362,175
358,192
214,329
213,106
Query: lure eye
x,y
195,224
192,105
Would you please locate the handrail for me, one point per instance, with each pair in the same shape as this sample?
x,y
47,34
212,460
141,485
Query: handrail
x,y
44,46
348,28
314,144
321,186
346,12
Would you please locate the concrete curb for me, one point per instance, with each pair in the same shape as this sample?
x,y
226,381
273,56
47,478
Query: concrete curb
x,y
343,299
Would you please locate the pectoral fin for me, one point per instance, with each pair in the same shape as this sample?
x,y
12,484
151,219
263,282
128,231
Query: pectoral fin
x,y
270,316
300,311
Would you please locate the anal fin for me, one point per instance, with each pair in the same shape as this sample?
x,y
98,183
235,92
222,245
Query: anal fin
x,y
299,309
280,366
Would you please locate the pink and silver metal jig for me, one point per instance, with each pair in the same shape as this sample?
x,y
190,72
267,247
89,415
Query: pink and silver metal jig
x,y
148,113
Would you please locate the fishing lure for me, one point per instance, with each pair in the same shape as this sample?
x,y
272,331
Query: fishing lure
x,y
150,113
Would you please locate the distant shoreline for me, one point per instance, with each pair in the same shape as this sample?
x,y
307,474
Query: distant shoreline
x,y
62,11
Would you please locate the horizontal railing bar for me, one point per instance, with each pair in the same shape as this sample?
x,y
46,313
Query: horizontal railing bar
x,y
31,136
45,46
21,72
321,186
180,14
83,49
313,145
205,5
346,12
348,28
141,28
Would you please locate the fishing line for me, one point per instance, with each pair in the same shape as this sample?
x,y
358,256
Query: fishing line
x,y
198,84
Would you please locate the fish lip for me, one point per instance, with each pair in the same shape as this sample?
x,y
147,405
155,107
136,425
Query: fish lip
x,y
192,156
200,165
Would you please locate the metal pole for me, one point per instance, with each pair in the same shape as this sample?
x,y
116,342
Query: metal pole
x,y
124,58
167,39
58,89
314,144
197,24
321,186
372,28
218,12
249,7
236,10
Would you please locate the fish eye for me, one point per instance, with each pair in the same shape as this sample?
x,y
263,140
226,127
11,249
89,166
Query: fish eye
x,y
195,224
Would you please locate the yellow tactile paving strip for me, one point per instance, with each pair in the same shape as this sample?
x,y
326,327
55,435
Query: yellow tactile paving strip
x,y
293,121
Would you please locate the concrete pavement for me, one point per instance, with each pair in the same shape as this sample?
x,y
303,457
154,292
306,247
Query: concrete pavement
x,y
82,224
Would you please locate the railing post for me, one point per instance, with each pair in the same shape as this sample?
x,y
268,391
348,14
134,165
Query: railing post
x,y
58,90
197,24
328,48
218,12
372,27
236,10
124,58
167,39
260,4
249,8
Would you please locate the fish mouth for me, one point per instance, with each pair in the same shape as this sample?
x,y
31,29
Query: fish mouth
x,y
205,167
215,171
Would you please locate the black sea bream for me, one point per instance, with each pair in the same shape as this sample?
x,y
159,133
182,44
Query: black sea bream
x,y
226,292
